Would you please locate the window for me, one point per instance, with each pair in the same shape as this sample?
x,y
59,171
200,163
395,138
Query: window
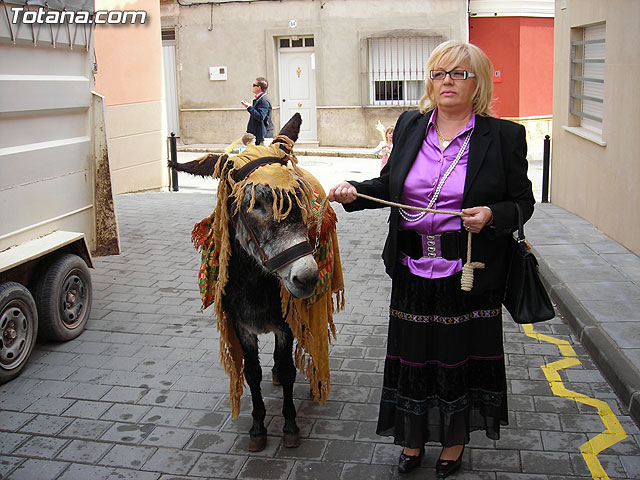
x,y
587,77
397,68
294,42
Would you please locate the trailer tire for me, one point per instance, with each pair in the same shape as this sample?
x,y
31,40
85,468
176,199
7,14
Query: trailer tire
x,y
64,295
18,327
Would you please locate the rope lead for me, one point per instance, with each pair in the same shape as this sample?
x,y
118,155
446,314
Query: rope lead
x,y
466,282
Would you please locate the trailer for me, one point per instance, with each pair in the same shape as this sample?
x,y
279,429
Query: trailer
x,y
56,203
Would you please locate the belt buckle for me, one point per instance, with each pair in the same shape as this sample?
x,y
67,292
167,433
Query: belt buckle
x,y
431,246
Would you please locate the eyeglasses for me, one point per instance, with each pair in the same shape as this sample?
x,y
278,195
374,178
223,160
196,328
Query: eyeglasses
x,y
453,74
256,85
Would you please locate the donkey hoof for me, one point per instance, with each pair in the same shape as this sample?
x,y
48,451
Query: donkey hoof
x,y
291,440
257,443
274,379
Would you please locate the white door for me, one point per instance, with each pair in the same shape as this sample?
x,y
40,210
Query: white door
x,y
298,91
171,86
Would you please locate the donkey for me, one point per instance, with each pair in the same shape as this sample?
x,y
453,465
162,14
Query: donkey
x,y
265,270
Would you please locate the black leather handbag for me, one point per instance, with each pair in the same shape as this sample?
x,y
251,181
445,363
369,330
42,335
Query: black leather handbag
x,y
526,298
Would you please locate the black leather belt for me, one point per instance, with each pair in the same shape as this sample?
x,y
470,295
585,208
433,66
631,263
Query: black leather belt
x,y
447,245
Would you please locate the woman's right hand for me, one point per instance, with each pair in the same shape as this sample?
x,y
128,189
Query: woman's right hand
x,y
343,193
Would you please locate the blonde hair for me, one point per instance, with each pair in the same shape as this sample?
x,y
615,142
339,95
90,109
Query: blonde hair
x,y
452,53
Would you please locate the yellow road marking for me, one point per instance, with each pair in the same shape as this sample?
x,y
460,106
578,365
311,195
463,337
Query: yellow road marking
x,y
614,432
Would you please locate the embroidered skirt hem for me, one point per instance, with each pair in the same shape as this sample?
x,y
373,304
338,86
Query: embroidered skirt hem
x,y
444,373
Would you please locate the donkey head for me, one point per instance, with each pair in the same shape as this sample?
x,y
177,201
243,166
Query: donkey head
x,y
265,203
280,246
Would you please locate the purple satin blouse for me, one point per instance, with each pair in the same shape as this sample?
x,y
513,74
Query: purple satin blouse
x,y
421,182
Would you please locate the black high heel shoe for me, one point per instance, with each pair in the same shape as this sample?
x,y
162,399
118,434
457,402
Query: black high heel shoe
x,y
444,468
408,463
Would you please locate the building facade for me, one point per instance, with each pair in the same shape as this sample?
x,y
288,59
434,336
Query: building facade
x,y
518,38
129,76
344,65
595,169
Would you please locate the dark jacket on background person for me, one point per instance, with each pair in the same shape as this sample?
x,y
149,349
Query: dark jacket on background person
x,y
496,177
258,112
268,121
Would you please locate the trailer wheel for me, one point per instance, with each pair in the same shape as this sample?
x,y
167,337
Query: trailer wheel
x,y
18,327
64,295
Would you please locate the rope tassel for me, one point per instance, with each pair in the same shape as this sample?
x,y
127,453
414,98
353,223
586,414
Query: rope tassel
x,y
466,282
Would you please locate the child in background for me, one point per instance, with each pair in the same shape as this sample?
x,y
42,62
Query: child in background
x,y
385,146
247,139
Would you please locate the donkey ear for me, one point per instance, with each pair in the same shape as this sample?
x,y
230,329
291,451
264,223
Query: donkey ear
x,y
203,166
291,129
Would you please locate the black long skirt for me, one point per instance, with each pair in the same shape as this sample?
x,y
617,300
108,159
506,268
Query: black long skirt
x,y
444,374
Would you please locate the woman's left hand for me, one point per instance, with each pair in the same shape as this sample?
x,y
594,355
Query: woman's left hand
x,y
476,219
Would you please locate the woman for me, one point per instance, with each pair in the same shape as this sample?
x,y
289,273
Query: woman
x,y
444,372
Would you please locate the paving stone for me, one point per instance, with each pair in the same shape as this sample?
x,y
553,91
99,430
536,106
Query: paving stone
x,y
38,469
87,409
87,429
87,391
306,470
86,472
12,421
7,464
563,441
546,462
581,423
218,442
125,413
172,461
168,437
610,463
349,452
128,456
124,394
334,429
359,411
203,419
50,405
493,461
45,425
538,421
367,433
276,425
520,439
265,469
218,466
164,416
308,450
84,451
367,472
127,433
331,409
42,447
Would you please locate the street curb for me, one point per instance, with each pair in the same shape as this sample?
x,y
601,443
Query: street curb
x,y
299,153
615,366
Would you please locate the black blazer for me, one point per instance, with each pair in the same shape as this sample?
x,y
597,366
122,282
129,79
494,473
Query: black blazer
x,y
259,113
496,178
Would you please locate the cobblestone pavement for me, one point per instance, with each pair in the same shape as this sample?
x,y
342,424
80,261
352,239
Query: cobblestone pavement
x,y
141,394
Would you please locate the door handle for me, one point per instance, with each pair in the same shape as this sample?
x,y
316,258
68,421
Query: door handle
x,y
299,105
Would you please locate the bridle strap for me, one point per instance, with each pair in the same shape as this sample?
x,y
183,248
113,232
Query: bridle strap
x,y
246,170
289,255
252,236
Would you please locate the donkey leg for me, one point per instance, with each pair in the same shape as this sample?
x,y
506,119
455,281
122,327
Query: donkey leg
x,y
286,372
253,376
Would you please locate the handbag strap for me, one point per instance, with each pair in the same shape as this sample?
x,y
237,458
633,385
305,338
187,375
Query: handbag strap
x,y
520,237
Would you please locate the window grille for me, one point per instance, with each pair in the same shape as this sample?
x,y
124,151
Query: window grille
x,y
397,68
587,77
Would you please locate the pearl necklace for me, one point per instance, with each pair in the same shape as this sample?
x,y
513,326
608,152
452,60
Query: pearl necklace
x,y
414,217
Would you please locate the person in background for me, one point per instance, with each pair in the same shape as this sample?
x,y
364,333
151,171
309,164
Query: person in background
x,y
385,146
247,139
444,374
259,110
